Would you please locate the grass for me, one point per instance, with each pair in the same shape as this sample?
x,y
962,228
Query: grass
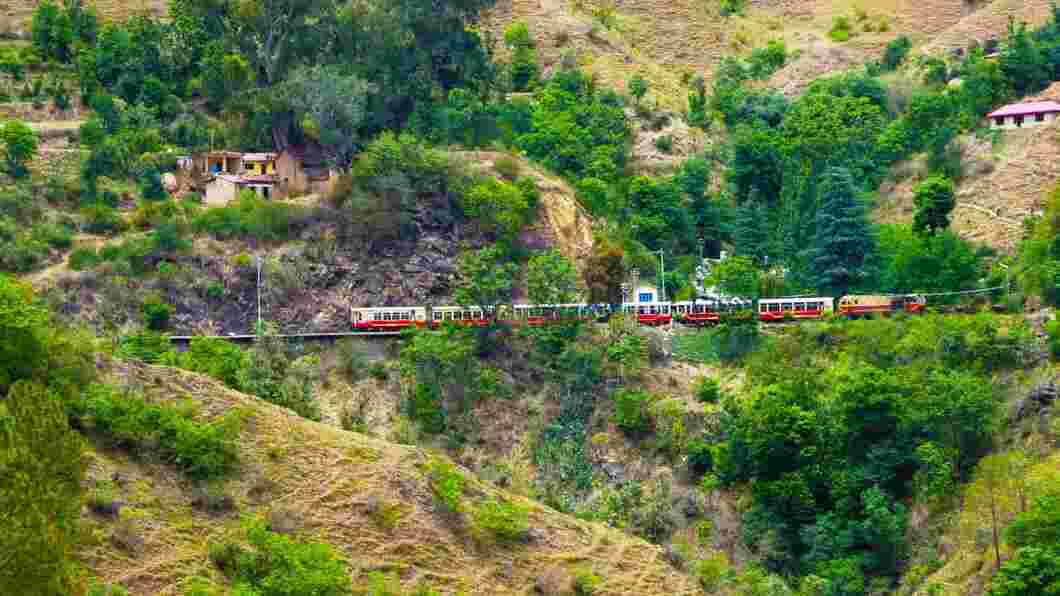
x,y
324,474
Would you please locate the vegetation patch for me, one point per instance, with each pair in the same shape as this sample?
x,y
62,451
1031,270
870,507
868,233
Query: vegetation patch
x,y
203,450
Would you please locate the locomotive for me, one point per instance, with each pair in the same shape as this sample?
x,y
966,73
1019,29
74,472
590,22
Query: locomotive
x,y
653,314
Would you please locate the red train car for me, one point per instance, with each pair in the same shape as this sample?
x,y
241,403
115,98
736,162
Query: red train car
x,y
863,305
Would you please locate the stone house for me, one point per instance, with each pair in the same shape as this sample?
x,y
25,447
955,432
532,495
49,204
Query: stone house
x,y
304,169
225,188
1026,114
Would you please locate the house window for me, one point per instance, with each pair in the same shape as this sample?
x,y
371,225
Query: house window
x,y
265,191
1019,120
644,297
1039,117
1000,121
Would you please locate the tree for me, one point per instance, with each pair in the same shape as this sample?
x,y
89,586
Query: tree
x,y
605,272
20,145
736,276
934,199
994,497
44,18
1035,571
551,279
897,50
40,497
1022,62
331,105
638,87
843,245
487,276
751,232
524,68
22,325
500,208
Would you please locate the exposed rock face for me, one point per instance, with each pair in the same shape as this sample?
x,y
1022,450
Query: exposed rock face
x,y
1036,402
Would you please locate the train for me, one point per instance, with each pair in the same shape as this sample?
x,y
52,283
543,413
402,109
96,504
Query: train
x,y
697,313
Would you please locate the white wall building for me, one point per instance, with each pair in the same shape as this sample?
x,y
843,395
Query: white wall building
x,y
1021,115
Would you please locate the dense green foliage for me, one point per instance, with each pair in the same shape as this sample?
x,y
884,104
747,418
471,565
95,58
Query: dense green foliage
x,y
842,421
43,368
202,450
279,565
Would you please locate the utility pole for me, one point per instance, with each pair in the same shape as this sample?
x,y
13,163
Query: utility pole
x,y
662,277
257,330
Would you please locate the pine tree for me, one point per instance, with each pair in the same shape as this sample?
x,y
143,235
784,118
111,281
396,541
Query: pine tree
x,y
751,232
843,246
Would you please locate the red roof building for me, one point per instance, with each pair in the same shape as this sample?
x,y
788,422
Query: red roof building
x,y
1018,115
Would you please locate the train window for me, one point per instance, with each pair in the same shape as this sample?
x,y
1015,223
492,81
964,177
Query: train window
x,y
788,306
774,308
800,306
763,307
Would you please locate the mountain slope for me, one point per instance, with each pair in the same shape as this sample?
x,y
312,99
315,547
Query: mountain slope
x,y
330,485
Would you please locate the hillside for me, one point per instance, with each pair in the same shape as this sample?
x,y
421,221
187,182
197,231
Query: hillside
x,y
331,485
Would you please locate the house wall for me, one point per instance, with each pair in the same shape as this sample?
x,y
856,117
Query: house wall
x,y
292,178
220,192
1028,121
261,167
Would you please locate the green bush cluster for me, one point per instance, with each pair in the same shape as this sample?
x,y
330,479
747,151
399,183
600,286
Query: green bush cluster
x,y
447,483
633,410
501,520
204,450
274,564
249,216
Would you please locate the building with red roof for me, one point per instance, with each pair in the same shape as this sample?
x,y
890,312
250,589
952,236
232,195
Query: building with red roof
x,y
1019,115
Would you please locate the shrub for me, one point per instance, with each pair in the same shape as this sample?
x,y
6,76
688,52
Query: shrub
x,y
632,412
156,313
700,457
277,565
378,371
586,582
665,143
447,483
148,346
84,257
731,7
708,390
102,219
353,360
503,520
841,29
202,450
896,51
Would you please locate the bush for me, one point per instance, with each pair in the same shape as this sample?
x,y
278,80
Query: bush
x,y
503,520
586,582
447,483
149,346
708,390
156,313
896,52
632,410
665,143
83,258
203,450
277,565
378,371
841,29
102,219
700,457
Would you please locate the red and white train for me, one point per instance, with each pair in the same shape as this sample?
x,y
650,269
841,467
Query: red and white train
x,y
654,314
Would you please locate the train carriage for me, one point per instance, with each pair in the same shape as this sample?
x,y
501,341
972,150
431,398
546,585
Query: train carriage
x,y
460,315
652,314
798,308
392,318
866,305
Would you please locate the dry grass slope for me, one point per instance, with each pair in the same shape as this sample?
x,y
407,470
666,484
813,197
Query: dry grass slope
x,y
328,482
